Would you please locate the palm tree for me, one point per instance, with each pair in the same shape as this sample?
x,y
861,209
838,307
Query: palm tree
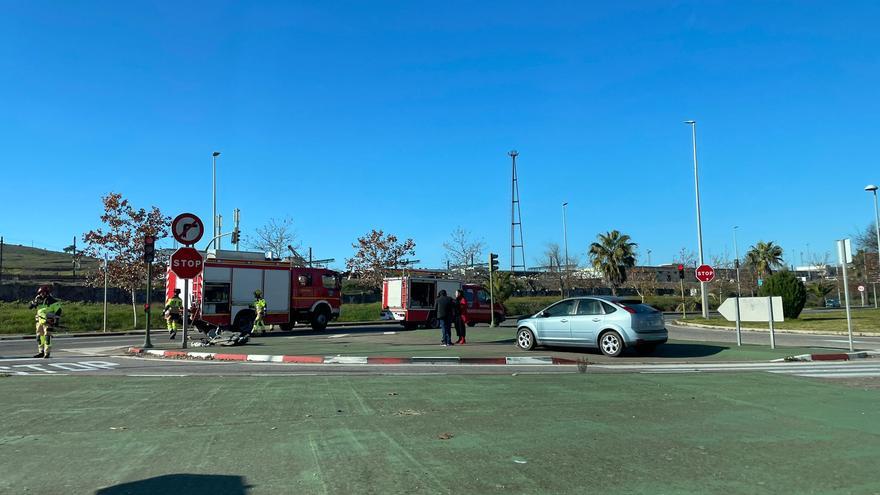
x,y
763,257
611,255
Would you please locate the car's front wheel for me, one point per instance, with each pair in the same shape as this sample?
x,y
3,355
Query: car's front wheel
x,y
611,343
525,339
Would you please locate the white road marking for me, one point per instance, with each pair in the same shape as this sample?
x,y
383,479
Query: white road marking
x,y
94,351
338,336
345,360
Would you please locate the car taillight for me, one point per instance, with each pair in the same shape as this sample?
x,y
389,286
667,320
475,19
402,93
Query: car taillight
x,y
627,308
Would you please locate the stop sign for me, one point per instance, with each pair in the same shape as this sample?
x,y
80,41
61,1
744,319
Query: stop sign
x,y
186,262
705,273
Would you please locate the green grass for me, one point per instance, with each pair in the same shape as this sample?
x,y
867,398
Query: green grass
x,y
360,312
24,262
864,320
578,433
16,318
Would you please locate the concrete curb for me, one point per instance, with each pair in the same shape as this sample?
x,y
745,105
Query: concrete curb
x,y
680,323
840,356
343,324
433,360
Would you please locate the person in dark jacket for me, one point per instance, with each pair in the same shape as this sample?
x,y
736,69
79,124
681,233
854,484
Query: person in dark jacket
x,y
460,317
444,306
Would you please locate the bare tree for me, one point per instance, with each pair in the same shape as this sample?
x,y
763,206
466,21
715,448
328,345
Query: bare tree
x,y
555,274
377,255
686,258
644,280
866,239
463,252
275,237
723,283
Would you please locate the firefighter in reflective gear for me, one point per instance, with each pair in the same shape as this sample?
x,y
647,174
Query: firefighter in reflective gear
x,y
48,317
260,308
173,308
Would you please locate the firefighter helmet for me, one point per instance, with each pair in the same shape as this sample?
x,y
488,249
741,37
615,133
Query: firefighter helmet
x,y
258,293
44,290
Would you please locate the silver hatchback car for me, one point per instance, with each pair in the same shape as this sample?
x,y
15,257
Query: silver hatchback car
x,y
609,323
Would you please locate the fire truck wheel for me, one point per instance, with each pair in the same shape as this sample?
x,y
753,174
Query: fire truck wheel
x,y
320,320
432,322
287,326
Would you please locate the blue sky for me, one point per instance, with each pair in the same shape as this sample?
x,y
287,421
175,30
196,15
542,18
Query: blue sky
x,y
349,116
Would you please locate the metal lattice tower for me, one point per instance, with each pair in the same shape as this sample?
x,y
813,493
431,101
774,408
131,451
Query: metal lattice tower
x,y
515,219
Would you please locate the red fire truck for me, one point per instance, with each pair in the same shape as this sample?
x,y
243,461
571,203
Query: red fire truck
x,y
410,301
224,291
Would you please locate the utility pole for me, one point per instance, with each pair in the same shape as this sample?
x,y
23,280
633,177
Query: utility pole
x,y
1,259
738,289
565,240
515,217
703,294
74,257
214,231
236,220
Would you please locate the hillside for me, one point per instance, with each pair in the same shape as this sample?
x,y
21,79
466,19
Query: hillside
x,y
27,264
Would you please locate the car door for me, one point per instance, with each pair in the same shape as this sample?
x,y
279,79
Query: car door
x,y
586,322
553,325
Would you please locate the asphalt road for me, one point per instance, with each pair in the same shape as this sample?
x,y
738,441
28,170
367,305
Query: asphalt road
x,y
104,355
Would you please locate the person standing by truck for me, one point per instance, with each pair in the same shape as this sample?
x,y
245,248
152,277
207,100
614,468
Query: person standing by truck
x,y
260,309
444,306
173,307
460,317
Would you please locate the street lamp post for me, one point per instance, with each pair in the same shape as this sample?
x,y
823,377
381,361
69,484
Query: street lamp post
x,y
703,295
872,188
214,197
565,243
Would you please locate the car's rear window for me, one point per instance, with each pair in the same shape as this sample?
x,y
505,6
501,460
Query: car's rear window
x,y
642,308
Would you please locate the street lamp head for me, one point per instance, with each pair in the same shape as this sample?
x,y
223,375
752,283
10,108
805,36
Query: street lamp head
x,y
216,153
870,187
565,203
691,122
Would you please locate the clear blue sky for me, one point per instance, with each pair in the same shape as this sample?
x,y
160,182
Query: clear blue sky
x,y
349,116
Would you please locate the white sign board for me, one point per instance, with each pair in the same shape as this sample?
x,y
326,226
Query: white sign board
x,y
751,309
844,251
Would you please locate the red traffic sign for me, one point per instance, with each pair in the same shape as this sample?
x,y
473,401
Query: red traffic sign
x,y
187,228
705,273
186,262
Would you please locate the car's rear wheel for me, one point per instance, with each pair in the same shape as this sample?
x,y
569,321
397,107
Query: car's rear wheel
x,y
525,339
611,343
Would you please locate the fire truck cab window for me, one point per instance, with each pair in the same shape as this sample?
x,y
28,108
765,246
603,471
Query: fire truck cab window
x,y
483,297
469,297
216,300
422,294
329,281
305,280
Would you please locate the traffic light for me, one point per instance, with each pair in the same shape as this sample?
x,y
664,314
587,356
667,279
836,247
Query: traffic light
x,y
149,248
235,236
681,272
493,262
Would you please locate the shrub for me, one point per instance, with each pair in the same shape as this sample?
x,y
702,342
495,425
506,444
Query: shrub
x,y
792,291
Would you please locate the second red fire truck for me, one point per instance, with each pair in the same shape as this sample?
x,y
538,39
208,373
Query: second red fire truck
x,y
410,301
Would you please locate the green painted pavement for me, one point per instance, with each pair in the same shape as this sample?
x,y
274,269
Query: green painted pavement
x,y
579,433
482,342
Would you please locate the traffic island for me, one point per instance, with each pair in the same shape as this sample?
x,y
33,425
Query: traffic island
x,y
384,360
838,356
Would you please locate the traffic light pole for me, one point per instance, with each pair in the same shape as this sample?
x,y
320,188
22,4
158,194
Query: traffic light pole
x,y
491,295
683,302
147,343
